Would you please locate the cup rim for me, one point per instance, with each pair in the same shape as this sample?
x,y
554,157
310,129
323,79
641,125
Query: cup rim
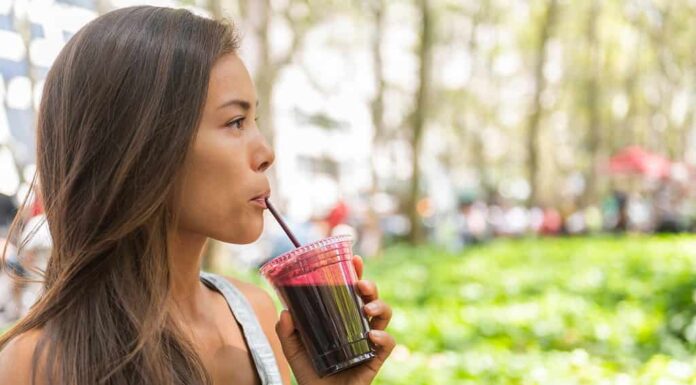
x,y
324,242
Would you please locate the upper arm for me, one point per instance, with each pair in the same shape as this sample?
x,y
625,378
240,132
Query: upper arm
x,y
266,312
16,359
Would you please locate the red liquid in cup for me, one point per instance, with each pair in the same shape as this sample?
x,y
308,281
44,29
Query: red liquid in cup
x,y
316,283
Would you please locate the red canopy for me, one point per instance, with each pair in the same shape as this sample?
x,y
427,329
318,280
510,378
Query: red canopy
x,y
636,160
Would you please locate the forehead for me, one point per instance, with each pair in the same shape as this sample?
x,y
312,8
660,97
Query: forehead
x,y
229,79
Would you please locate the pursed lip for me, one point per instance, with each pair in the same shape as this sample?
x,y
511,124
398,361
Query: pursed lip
x,y
260,199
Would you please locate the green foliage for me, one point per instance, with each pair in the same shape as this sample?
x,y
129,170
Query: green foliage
x,y
601,310
552,311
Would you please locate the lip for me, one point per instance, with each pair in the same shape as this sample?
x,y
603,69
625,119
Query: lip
x,y
260,200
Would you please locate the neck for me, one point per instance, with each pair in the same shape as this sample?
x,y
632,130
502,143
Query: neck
x,y
187,292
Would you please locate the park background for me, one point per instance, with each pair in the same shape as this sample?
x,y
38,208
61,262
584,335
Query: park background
x,y
519,175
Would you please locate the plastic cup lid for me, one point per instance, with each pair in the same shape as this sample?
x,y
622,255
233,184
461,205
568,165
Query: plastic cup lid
x,y
282,263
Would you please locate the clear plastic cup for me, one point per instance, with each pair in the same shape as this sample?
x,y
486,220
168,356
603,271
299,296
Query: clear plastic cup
x,y
317,284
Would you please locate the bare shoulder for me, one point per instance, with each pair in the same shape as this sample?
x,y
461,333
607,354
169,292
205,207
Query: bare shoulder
x,y
266,312
16,358
259,298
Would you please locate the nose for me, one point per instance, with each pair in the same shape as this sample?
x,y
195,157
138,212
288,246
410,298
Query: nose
x,y
264,156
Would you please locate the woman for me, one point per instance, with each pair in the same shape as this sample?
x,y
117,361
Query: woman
x,y
147,147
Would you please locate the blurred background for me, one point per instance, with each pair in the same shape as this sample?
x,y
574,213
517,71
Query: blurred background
x,y
519,175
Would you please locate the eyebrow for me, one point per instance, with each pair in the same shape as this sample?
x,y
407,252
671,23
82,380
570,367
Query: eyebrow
x,y
237,102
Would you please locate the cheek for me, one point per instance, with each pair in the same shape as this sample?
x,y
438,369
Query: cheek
x,y
213,198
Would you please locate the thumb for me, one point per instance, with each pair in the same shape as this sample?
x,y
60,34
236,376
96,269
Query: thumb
x,y
289,337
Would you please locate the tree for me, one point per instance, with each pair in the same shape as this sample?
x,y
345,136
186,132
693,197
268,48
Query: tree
x,y
592,95
547,24
377,10
418,117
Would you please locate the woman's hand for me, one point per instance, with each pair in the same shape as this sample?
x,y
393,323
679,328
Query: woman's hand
x,y
379,314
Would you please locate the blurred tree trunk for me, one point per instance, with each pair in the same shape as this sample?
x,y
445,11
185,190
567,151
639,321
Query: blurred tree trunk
x,y
592,94
685,130
545,31
633,87
630,125
377,7
662,41
416,234
259,14
468,121
476,144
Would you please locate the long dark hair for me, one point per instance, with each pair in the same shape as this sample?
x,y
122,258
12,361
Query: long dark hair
x,y
118,115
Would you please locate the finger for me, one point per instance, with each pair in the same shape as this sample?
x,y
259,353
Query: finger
x,y
285,326
385,344
368,291
359,265
380,312
289,338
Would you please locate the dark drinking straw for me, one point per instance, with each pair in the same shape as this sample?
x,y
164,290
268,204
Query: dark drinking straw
x,y
282,223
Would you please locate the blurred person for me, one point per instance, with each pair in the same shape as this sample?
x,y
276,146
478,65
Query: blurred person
x,y
147,146
496,216
28,261
667,217
552,222
8,210
593,219
516,220
370,235
621,202
478,223
337,215
472,221
575,223
8,311
536,219
395,226
639,212
462,224
27,257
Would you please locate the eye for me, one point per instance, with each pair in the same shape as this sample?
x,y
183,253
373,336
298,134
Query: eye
x,y
236,123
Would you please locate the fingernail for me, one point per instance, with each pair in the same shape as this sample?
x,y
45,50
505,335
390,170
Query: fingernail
x,y
371,307
378,333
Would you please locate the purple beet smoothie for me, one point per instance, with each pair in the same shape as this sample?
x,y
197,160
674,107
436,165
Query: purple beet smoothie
x,y
334,329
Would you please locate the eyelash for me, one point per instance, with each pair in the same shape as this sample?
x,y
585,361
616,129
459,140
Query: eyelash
x,y
240,121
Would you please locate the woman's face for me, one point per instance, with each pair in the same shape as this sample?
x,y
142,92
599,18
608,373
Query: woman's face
x,y
224,172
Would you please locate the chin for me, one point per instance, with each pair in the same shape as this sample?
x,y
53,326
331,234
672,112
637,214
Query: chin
x,y
246,240
242,237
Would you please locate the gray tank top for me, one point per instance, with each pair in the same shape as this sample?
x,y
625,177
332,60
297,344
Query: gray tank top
x,y
259,347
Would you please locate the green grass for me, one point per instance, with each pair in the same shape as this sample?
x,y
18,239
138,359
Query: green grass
x,y
552,311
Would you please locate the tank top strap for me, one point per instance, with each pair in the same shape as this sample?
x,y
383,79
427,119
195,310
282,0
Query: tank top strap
x,y
259,347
